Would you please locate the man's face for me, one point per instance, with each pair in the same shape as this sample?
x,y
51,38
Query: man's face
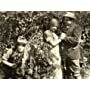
x,y
68,21
21,47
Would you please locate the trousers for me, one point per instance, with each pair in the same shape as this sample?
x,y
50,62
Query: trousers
x,y
72,69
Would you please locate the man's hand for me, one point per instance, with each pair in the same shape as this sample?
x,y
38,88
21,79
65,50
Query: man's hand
x,y
63,35
14,66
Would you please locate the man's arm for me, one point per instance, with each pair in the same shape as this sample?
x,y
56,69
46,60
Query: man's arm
x,y
6,56
56,42
74,38
8,63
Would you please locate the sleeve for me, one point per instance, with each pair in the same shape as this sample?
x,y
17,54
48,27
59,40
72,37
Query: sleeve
x,y
52,38
47,36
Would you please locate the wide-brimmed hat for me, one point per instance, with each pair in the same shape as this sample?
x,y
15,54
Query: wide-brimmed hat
x,y
70,15
22,40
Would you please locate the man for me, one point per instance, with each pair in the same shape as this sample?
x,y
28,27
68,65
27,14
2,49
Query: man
x,y
53,48
14,59
71,48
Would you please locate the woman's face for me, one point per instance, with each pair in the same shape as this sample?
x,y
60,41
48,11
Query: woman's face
x,y
53,29
54,23
21,47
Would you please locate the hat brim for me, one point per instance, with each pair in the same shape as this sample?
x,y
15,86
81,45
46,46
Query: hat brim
x,y
70,17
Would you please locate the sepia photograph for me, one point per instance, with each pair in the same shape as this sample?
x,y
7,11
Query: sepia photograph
x,y
44,44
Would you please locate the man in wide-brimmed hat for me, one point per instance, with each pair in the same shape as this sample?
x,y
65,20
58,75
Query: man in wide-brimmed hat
x,y
71,46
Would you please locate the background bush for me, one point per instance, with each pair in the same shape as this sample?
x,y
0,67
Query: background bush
x,y
32,24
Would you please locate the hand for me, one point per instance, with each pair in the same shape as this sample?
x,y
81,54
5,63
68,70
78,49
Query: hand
x,y
14,66
30,71
63,35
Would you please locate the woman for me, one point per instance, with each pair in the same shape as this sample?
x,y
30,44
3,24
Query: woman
x,y
53,41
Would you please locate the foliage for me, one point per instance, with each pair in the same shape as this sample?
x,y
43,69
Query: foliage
x,y
32,24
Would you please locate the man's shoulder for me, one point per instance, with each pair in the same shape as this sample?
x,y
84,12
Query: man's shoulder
x,y
76,27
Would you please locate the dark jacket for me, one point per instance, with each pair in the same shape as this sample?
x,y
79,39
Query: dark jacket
x,y
71,42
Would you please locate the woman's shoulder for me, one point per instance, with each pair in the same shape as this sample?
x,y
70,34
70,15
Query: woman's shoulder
x,y
47,32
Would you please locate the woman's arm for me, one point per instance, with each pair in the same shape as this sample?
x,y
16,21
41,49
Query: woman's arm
x,y
54,43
